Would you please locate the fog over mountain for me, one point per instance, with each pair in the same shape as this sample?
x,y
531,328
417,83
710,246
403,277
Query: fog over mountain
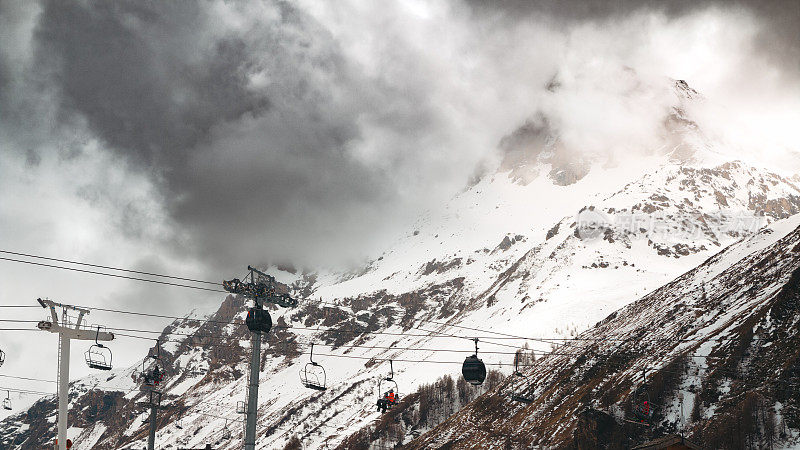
x,y
314,129
198,137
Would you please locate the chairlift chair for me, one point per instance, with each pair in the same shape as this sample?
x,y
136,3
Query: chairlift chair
x,y
389,385
518,374
473,369
313,375
98,356
258,319
2,358
153,377
7,401
642,407
226,433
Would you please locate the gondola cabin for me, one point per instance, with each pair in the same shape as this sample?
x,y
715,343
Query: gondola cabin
x,y
258,320
473,370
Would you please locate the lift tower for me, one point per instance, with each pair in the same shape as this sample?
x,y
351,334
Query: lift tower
x,y
66,332
261,288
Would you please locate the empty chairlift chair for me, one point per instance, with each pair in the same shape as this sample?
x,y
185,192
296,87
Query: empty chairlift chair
x,y
473,369
517,396
98,356
226,433
313,375
7,401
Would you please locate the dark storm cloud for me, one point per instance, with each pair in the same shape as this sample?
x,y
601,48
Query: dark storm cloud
x,y
176,91
135,71
270,135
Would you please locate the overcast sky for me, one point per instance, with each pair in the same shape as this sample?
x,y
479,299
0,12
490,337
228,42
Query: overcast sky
x,y
195,138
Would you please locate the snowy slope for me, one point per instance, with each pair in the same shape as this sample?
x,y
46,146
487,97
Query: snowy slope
x,y
723,338
534,286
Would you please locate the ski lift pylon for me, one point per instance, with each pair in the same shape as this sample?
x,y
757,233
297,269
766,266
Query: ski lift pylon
x,y
473,369
98,356
313,375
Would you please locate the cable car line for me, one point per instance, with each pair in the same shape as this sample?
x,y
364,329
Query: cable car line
x,y
500,335
109,267
217,290
26,391
110,274
218,337
27,379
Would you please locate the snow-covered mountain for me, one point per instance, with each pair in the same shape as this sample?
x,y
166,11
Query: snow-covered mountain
x,y
545,245
719,347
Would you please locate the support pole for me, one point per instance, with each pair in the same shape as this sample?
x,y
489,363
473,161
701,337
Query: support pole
x,y
66,332
63,391
262,289
151,439
252,393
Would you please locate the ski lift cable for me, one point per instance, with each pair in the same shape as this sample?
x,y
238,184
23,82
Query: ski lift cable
x,y
309,301
111,275
507,336
26,391
27,379
432,333
214,290
219,338
28,255
439,362
542,353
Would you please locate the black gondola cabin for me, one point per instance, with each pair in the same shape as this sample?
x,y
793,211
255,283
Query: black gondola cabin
x,y
258,320
474,370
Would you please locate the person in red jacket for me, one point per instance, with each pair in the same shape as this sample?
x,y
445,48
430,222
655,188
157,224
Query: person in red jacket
x,y
391,397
